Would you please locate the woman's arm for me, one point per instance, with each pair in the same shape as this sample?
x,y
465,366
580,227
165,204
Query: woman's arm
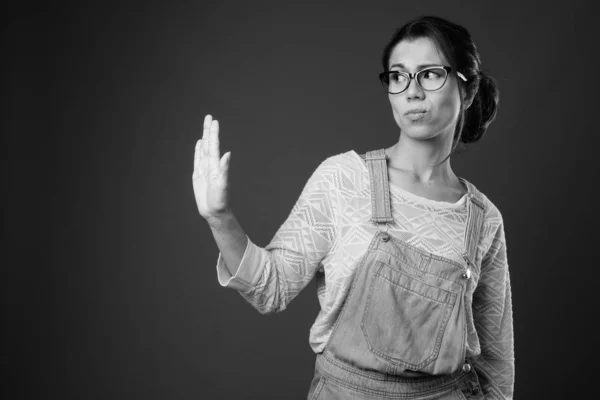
x,y
493,317
269,278
231,240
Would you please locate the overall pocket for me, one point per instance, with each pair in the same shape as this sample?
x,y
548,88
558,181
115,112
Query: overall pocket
x,y
405,318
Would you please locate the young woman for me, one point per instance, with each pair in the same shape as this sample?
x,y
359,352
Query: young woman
x,y
409,259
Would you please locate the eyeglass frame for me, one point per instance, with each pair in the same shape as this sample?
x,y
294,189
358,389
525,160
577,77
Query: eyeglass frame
x,y
446,68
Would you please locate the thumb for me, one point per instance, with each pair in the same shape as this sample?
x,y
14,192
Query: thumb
x,y
224,163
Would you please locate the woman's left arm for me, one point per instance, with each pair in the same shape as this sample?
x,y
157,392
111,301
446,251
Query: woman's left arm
x,y
493,317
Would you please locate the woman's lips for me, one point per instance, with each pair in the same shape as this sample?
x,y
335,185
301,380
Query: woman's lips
x,y
415,114
416,111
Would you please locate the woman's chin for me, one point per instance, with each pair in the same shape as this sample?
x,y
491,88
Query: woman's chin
x,y
422,132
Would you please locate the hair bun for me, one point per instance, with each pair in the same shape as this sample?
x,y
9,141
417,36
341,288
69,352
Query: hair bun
x,y
483,109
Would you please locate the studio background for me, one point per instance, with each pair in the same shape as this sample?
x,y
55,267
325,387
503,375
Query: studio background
x,y
109,286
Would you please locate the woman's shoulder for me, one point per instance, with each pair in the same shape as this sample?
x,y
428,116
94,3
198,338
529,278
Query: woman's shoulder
x,y
493,223
343,170
349,160
491,211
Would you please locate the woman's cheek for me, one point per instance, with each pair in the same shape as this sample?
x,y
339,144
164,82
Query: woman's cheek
x,y
447,112
397,115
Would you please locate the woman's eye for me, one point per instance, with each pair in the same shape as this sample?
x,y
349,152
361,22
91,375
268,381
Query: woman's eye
x,y
397,78
431,75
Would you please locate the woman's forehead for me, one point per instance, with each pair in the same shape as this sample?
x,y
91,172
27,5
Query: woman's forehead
x,y
416,52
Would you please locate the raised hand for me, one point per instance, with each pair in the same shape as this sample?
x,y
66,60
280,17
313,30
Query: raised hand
x,y
210,177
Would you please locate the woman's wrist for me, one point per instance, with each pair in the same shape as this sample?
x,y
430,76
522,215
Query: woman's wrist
x,y
221,220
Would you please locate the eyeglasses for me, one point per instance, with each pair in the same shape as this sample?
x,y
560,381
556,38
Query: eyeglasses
x,y
430,79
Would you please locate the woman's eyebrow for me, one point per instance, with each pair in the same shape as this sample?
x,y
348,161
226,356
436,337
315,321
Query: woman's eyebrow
x,y
419,67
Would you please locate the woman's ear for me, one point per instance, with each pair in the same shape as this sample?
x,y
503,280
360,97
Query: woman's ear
x,y
468,103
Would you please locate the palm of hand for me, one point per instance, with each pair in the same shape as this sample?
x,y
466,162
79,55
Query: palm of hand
x,y
210,177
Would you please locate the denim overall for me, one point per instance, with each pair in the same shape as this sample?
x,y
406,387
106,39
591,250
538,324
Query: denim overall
x,y
402,330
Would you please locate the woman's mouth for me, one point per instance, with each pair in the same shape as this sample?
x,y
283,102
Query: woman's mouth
x,y
415,114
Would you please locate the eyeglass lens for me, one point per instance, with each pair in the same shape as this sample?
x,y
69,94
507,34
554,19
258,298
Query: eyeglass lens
x,y
428,79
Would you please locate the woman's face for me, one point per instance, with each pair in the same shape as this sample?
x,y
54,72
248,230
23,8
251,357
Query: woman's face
x,y
441,107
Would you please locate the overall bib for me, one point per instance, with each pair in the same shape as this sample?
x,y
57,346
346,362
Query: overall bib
x,y
402,330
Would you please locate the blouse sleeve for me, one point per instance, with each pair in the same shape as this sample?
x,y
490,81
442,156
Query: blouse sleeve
x,y
492,313
269,278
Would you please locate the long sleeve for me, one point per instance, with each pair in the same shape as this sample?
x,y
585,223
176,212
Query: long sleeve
x,y
269,278
492,313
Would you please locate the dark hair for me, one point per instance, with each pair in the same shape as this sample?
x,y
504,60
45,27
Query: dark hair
x,y
456,44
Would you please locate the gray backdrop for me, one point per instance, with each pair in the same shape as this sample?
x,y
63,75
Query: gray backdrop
x,y
109,285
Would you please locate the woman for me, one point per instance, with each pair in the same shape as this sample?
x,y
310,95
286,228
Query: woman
x,y
409,259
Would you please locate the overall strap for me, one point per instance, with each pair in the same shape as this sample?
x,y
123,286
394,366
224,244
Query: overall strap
x,y
381,211
475,219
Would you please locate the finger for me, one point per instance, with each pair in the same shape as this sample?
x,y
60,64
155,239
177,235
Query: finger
x,y
203,160
201,148
213,141
206,127
197,154
204,146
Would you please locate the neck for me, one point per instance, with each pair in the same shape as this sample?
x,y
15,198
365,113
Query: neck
x,y
420,158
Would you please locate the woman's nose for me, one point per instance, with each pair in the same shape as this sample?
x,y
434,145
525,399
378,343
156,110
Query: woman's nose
x,y
414,90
